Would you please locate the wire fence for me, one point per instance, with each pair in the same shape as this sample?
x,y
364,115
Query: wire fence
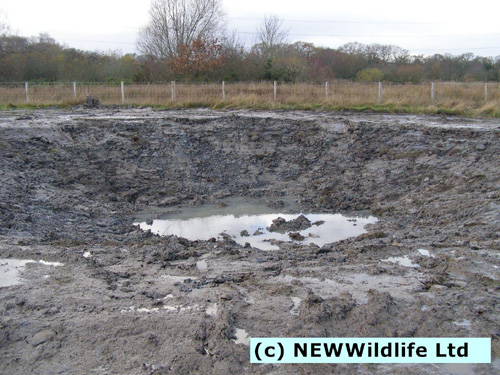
x,y
335,93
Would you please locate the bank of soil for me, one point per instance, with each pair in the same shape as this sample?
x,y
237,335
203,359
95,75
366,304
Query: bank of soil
x,y
130,302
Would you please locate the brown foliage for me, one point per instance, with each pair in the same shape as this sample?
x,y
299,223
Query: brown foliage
x,y
197,60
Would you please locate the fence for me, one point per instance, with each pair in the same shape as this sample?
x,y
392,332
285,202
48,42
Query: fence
x,y
335,93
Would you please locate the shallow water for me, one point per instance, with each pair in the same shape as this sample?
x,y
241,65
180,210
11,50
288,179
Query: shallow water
x,y
212,309
336,227
238,214
237,206
202,265
425,253
296,304
242,337
10,270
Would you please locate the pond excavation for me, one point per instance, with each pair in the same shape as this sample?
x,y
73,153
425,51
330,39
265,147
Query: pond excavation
x,y
254,224
135,241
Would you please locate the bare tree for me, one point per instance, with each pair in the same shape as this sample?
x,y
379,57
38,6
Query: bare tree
x,y
174,23
4,25
271,35
400,55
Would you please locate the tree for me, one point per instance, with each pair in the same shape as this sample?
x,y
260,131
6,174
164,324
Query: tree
x,y
176,23
233,66
4,26
196,60
271,49
270,36
408,73
400,56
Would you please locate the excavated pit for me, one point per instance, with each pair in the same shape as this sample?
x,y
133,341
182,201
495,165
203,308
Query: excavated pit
x,y
124,300
252,223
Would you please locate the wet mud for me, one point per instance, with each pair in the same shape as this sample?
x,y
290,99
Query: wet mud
x,y
126,301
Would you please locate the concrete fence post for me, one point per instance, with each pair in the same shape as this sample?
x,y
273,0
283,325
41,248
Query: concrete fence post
x,y
326,89
172,84
275,90
486,91
74,90
223,90
380,93
432,93
123,91
27,92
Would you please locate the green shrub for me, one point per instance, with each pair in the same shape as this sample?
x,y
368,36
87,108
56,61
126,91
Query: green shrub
x,y
369,75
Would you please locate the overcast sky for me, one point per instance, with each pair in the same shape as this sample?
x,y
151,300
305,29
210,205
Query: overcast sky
x,y
422,27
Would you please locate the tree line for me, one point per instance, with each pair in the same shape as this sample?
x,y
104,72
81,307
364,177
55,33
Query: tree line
x,y
185,41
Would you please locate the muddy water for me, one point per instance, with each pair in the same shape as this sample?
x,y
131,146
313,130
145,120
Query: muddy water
x,y
254,217
404,261
11,269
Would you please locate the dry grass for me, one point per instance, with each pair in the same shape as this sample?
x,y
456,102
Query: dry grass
x,y
450,97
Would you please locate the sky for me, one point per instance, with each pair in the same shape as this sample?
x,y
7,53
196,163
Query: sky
x,y
423,27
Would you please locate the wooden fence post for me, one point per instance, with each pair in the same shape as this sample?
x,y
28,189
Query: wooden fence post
x,y
223,90
172,84
486,91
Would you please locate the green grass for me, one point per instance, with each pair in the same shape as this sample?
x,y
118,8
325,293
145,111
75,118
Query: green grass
x,y
487,111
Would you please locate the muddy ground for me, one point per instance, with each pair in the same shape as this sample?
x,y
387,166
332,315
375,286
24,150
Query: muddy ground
x,y
129,302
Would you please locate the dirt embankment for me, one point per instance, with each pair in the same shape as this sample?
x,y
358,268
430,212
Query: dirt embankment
x,y
126,301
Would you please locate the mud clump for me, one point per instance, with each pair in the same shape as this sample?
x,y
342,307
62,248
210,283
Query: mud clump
x,y
296,236
126,301
280,225
91,102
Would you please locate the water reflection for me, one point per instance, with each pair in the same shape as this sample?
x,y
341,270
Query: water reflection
x,y
336,227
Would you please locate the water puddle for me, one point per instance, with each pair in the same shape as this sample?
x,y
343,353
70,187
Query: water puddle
x,y
357,284
463,323
202,265
296,304
10,270
171,309
212,310
248,223
54,264
241,337
144,310
425,253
